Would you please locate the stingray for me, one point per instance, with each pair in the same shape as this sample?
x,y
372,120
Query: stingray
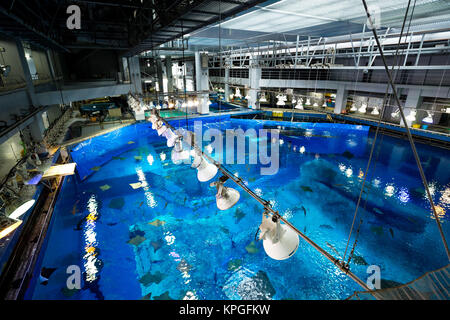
x,y
157,245
137,240
105,187
239,214
137,232
157,223
136,185
359,260
45,275
326,226
348,154
251,248
150,278
306,189
164,296
183,266
234,264
96,168
117,203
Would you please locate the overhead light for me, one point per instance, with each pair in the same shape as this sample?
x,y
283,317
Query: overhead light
x,y
395,114
279,241
178,153
5,70
302,149
8,225
353,108
308,102
363,108
324,104
375,111
315,105
428,118
205,170
281,100
21,203
231,96
263,98
247,97
171,137
412,115
238,93
226,197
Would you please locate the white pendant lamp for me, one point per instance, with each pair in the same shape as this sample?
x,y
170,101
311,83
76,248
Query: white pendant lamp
x,y
428,118
308,102
171,137
363,108
225,197
205,170
324,104
375,111
412,115
263,98
353,108
178,153
279,241
315,105
299,105
395,114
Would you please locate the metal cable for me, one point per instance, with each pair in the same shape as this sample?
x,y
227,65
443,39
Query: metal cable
x,y
408,133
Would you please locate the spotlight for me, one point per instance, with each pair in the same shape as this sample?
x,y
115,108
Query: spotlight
x,y
395,114
171,137
8,225
20,205
178,154
205,170
279,241
5,70
428,118
225,197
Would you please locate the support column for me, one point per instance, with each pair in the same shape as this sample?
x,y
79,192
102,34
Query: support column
x,y
169,74
26,71
37,127
135,74
413,100
341,100
202,82
227,81
159,72
255,77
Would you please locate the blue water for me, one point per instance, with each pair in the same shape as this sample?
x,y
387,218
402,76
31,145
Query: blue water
x,y
194,251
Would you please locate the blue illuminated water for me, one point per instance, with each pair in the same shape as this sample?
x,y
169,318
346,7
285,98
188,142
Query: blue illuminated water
x,y
193,250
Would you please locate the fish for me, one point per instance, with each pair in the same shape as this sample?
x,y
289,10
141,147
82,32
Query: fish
x,y
348,154
147,296
45,275
136,185
164,296
74,208
130,142
105,187
304,229
224,230
234,264
112,224
334,249
96,168
119,158
251,248
165,205
183,266
378,230
138,158
78,227
392,232
359,260
157,245
376,210
150,278
239,214
304,210
306,189
137,240
326,226
117,203
157,223
184,203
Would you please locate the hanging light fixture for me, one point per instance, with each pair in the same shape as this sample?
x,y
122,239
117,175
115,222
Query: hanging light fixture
x,y
315,105
299,105
281,100
353,108
178,153
171,137
21,203
205,170
263,98
308,102
279,241
363,108
226,197
412,115
238,93
395,114
375,111
324,103
428,118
